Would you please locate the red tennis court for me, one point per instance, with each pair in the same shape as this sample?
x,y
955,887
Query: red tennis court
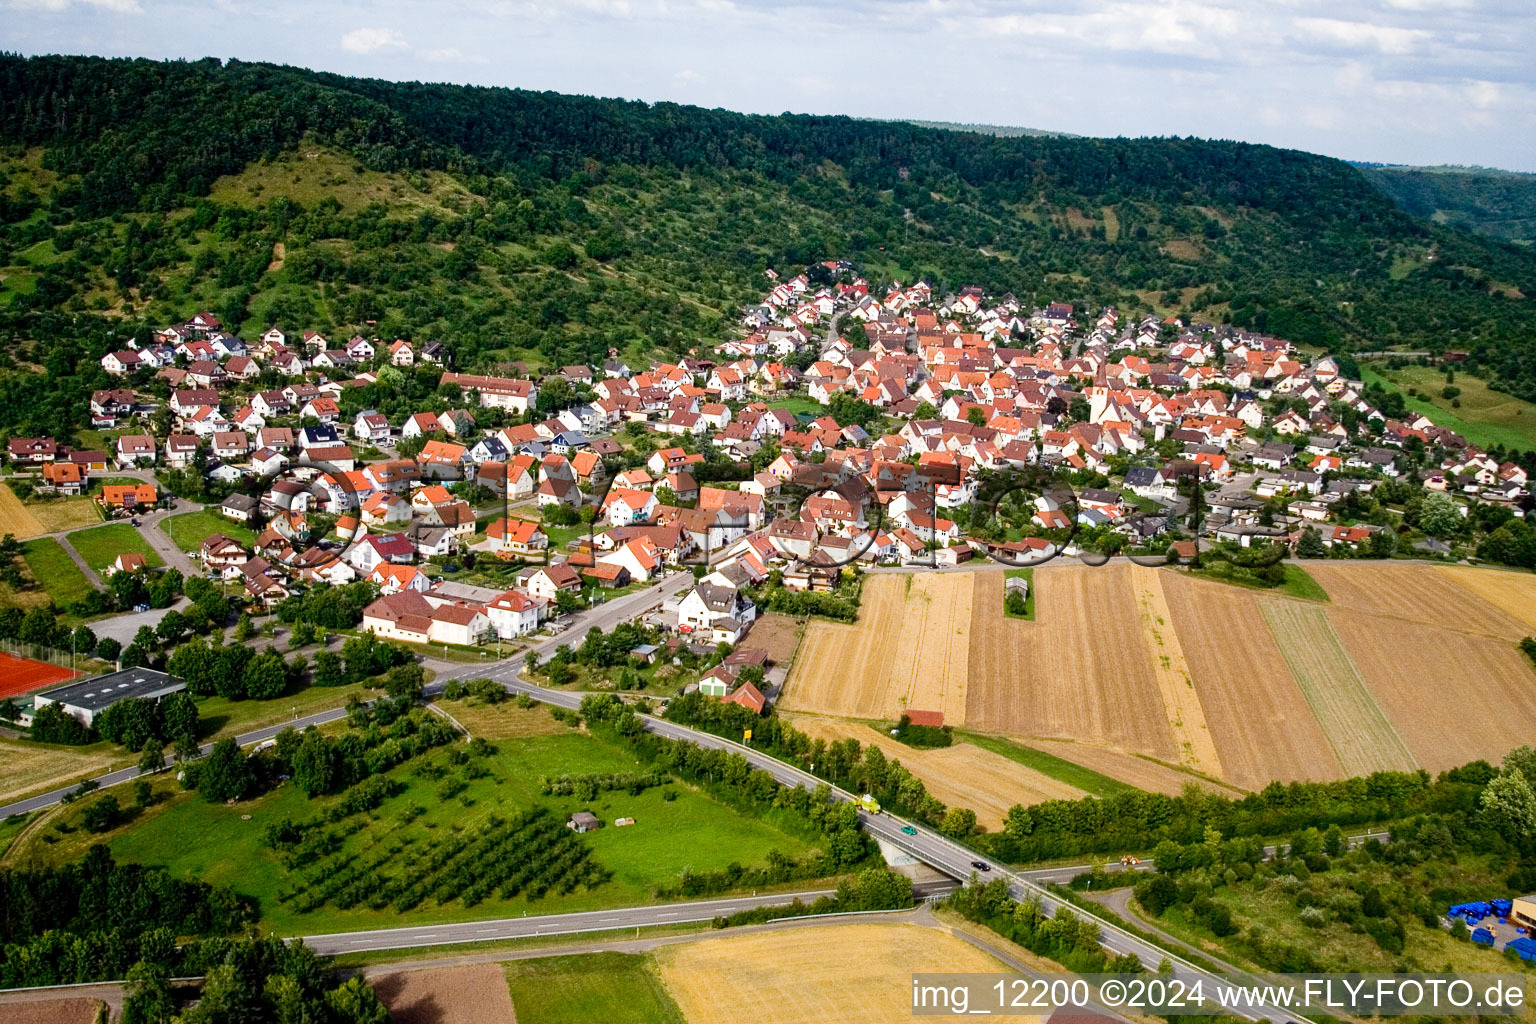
x,y
19,675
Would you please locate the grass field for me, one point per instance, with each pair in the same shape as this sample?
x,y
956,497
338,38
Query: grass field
x,y
224,717
961,775
1029,599
1362,737
100,545
614,988
60,514
1298,583
472,994
909,650
848,973
58,573
16,518
223,844
1486,417
188,530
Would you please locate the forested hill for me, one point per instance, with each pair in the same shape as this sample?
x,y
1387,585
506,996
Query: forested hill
x,y
514,223
1499,204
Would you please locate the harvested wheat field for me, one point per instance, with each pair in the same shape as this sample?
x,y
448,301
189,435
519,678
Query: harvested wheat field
x,y
1454,697
1363,738
851,973
30,767
1263,728
1141,772
1513,593
777,634
1081,670
962,775
1175,684
16,518
908,650
78,1010
1419,594
475,994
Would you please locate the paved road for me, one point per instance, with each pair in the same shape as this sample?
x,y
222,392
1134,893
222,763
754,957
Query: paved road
x,y
567,924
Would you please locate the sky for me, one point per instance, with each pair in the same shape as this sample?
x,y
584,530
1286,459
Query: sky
x,y
1396,81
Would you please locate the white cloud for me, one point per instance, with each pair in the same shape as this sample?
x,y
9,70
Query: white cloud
x,y
1363,35
373,40
115,6
687,76
450,55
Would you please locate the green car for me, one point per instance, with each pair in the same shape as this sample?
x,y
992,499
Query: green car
x,y
909,830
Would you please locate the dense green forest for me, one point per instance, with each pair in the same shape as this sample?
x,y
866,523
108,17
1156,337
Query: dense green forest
x,y
1499,204
515,224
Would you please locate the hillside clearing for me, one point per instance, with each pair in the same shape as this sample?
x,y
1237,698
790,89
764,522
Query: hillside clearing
x,y
1362,737
845,973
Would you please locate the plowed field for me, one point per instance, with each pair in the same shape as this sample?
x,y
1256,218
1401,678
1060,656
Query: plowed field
x,y
447,995
1477,701
1416,594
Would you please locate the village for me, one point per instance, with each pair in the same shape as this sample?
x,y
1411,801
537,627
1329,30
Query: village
x,y
844,428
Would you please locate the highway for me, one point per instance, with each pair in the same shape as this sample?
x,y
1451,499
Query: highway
x,y
567,924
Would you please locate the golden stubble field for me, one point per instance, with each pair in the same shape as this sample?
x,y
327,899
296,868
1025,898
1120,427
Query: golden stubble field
x,y
851,974
909,650
962,775
1081,670
1157,678
16,518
